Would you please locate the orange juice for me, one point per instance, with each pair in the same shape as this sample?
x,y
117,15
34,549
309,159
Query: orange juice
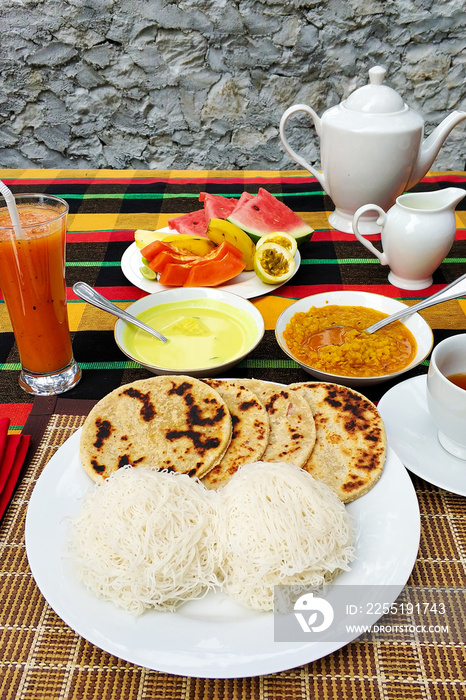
x,y
32,280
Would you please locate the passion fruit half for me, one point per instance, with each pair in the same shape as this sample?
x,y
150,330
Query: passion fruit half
x,y
281,238
273,263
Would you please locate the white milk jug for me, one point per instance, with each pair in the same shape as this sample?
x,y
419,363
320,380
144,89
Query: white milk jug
x,y
417,234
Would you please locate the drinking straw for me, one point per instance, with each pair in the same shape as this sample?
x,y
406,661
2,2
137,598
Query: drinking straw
x,y
12,209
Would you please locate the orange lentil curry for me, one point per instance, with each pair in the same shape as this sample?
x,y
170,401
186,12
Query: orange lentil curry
x,y
362,354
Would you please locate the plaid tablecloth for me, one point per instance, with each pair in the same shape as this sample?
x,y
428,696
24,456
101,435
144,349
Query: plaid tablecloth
x,y
107,206
40,657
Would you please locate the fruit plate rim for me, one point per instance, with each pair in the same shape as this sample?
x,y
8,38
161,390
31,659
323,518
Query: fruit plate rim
x,y
246,285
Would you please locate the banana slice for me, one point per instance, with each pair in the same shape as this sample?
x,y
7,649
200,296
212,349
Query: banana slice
x,y
220,230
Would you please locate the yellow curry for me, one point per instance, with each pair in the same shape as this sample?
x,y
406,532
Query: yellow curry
x,y
390,349
201,333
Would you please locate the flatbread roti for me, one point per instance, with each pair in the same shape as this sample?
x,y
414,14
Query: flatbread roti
x,y
169,422
250,433
292,430
350,449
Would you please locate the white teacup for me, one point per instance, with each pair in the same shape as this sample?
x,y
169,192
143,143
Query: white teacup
x,y
446,401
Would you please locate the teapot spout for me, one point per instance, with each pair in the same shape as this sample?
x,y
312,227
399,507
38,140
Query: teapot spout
x,y
432,145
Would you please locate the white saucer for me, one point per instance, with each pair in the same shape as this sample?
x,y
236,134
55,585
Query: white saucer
x,y
413,437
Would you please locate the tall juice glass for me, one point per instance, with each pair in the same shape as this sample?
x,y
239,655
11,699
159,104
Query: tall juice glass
x,y
32,280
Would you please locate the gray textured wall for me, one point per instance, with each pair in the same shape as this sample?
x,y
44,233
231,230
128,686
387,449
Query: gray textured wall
x,y
203,83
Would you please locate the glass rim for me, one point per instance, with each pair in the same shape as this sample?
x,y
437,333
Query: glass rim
x,y
36,196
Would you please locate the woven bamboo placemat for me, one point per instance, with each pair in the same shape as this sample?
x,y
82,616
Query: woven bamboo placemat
x,y
41,657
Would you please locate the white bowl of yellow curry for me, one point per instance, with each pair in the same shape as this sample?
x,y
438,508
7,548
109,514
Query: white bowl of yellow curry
x,y
361,359
208,331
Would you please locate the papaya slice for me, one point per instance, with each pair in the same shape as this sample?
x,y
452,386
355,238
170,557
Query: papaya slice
x,y
211,273
175,274
158,263
152,249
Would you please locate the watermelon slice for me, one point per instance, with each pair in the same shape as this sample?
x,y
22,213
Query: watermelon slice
x,y
193,224
264,213
245,197
216,206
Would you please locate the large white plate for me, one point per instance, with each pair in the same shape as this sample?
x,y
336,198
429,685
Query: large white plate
x,y
413,436
246,285
212,637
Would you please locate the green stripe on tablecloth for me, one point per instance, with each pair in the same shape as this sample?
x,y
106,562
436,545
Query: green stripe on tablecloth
x,y
93,263
272,364
359,261
336,261
15,366
304,261
131,195
279,364
171,195
130,364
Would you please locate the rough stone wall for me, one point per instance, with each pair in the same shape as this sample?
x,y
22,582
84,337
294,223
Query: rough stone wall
x,y
155,84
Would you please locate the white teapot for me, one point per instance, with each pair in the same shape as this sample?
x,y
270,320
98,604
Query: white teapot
x,y
372,150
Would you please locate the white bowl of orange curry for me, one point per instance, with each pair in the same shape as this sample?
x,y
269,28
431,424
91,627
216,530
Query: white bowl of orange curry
x,y
362,359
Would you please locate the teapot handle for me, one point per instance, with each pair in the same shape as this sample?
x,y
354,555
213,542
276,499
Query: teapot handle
x,y
380,221
293,155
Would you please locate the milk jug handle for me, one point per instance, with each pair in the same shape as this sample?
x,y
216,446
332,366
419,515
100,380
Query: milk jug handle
x,y
380,221
292,153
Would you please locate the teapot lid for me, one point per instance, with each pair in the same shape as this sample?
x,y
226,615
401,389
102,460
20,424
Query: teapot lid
x,y
375,98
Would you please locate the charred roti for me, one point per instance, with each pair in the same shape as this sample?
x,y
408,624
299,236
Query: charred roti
x,y
292,431
250,430
165,422
349,453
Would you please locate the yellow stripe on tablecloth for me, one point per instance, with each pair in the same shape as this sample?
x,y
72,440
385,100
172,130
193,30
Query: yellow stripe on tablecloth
x,y
58,173
265,174
151,221
271,308
107,173
95,222
116,221
317,219
81,317
70,173
462,304
451,314
75,314
5,323
84,317
460,219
